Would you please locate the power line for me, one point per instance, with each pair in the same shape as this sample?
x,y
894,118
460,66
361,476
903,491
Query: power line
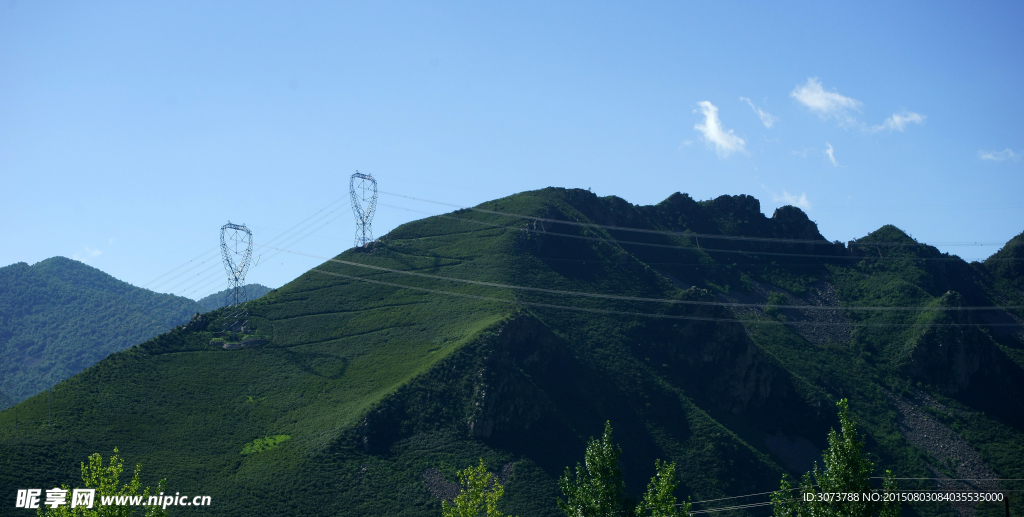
x,y
213,278
642,299
197,257
698,248
198,281
738,507
290,235
687,233
750,495
167,280
298,237
216,266
290,230
649,315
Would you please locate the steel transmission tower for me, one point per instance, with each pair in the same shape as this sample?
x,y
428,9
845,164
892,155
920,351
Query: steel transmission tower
x,y
236,250
362,189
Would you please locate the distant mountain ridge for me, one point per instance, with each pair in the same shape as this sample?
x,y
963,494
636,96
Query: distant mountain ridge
x,y
60,316
220,299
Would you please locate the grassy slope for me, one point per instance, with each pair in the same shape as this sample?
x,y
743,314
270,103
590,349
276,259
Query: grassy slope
x,y
376,384
60,316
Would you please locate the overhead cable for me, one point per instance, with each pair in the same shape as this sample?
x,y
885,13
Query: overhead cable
x,y
699,247
645,314
686,233
643,299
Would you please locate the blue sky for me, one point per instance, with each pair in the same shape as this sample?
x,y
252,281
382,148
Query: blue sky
x,y
130,132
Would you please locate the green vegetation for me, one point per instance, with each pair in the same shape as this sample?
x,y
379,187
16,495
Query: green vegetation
x,y
386,381
847,473
596,490
771,309
105,480
479,496
660,499
264,444
60,316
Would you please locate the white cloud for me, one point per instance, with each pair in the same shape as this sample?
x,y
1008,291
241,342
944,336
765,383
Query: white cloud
x,y
898,121
86,254
830,153
789,199
792,199
998,156
832,104
766,118
725,141
826,104
801,201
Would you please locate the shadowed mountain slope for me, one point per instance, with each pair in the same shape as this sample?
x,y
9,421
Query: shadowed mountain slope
x,y
707,333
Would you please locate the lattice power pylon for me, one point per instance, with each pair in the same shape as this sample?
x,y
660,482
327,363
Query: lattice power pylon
x,y
362,189
236,250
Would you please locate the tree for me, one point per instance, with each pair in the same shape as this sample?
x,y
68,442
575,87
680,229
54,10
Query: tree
x,y
659,499
847,471
480,494
596,491
105,480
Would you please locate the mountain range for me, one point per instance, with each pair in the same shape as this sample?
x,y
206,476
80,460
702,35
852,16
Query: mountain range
x,y
707,333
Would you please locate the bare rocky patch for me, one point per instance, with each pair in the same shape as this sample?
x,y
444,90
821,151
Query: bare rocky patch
x,y
945,446
445,491
823,321
438,486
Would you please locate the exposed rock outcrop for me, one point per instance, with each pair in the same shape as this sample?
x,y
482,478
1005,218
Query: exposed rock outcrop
x,y
484,385
946,446
504,395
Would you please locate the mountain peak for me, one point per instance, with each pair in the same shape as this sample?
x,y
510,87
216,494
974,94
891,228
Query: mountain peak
x,y
1008,262
741,204
888,233
73,271
794,221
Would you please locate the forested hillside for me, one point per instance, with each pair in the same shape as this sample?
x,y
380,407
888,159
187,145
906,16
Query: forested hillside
x,y
708,334
60,316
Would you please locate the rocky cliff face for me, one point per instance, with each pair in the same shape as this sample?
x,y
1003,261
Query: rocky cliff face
x,y
951,357
483,388
505,395
725,364
502,382
966,362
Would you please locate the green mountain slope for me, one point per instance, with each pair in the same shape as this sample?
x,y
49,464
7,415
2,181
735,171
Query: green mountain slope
x,y
465,336
60,316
